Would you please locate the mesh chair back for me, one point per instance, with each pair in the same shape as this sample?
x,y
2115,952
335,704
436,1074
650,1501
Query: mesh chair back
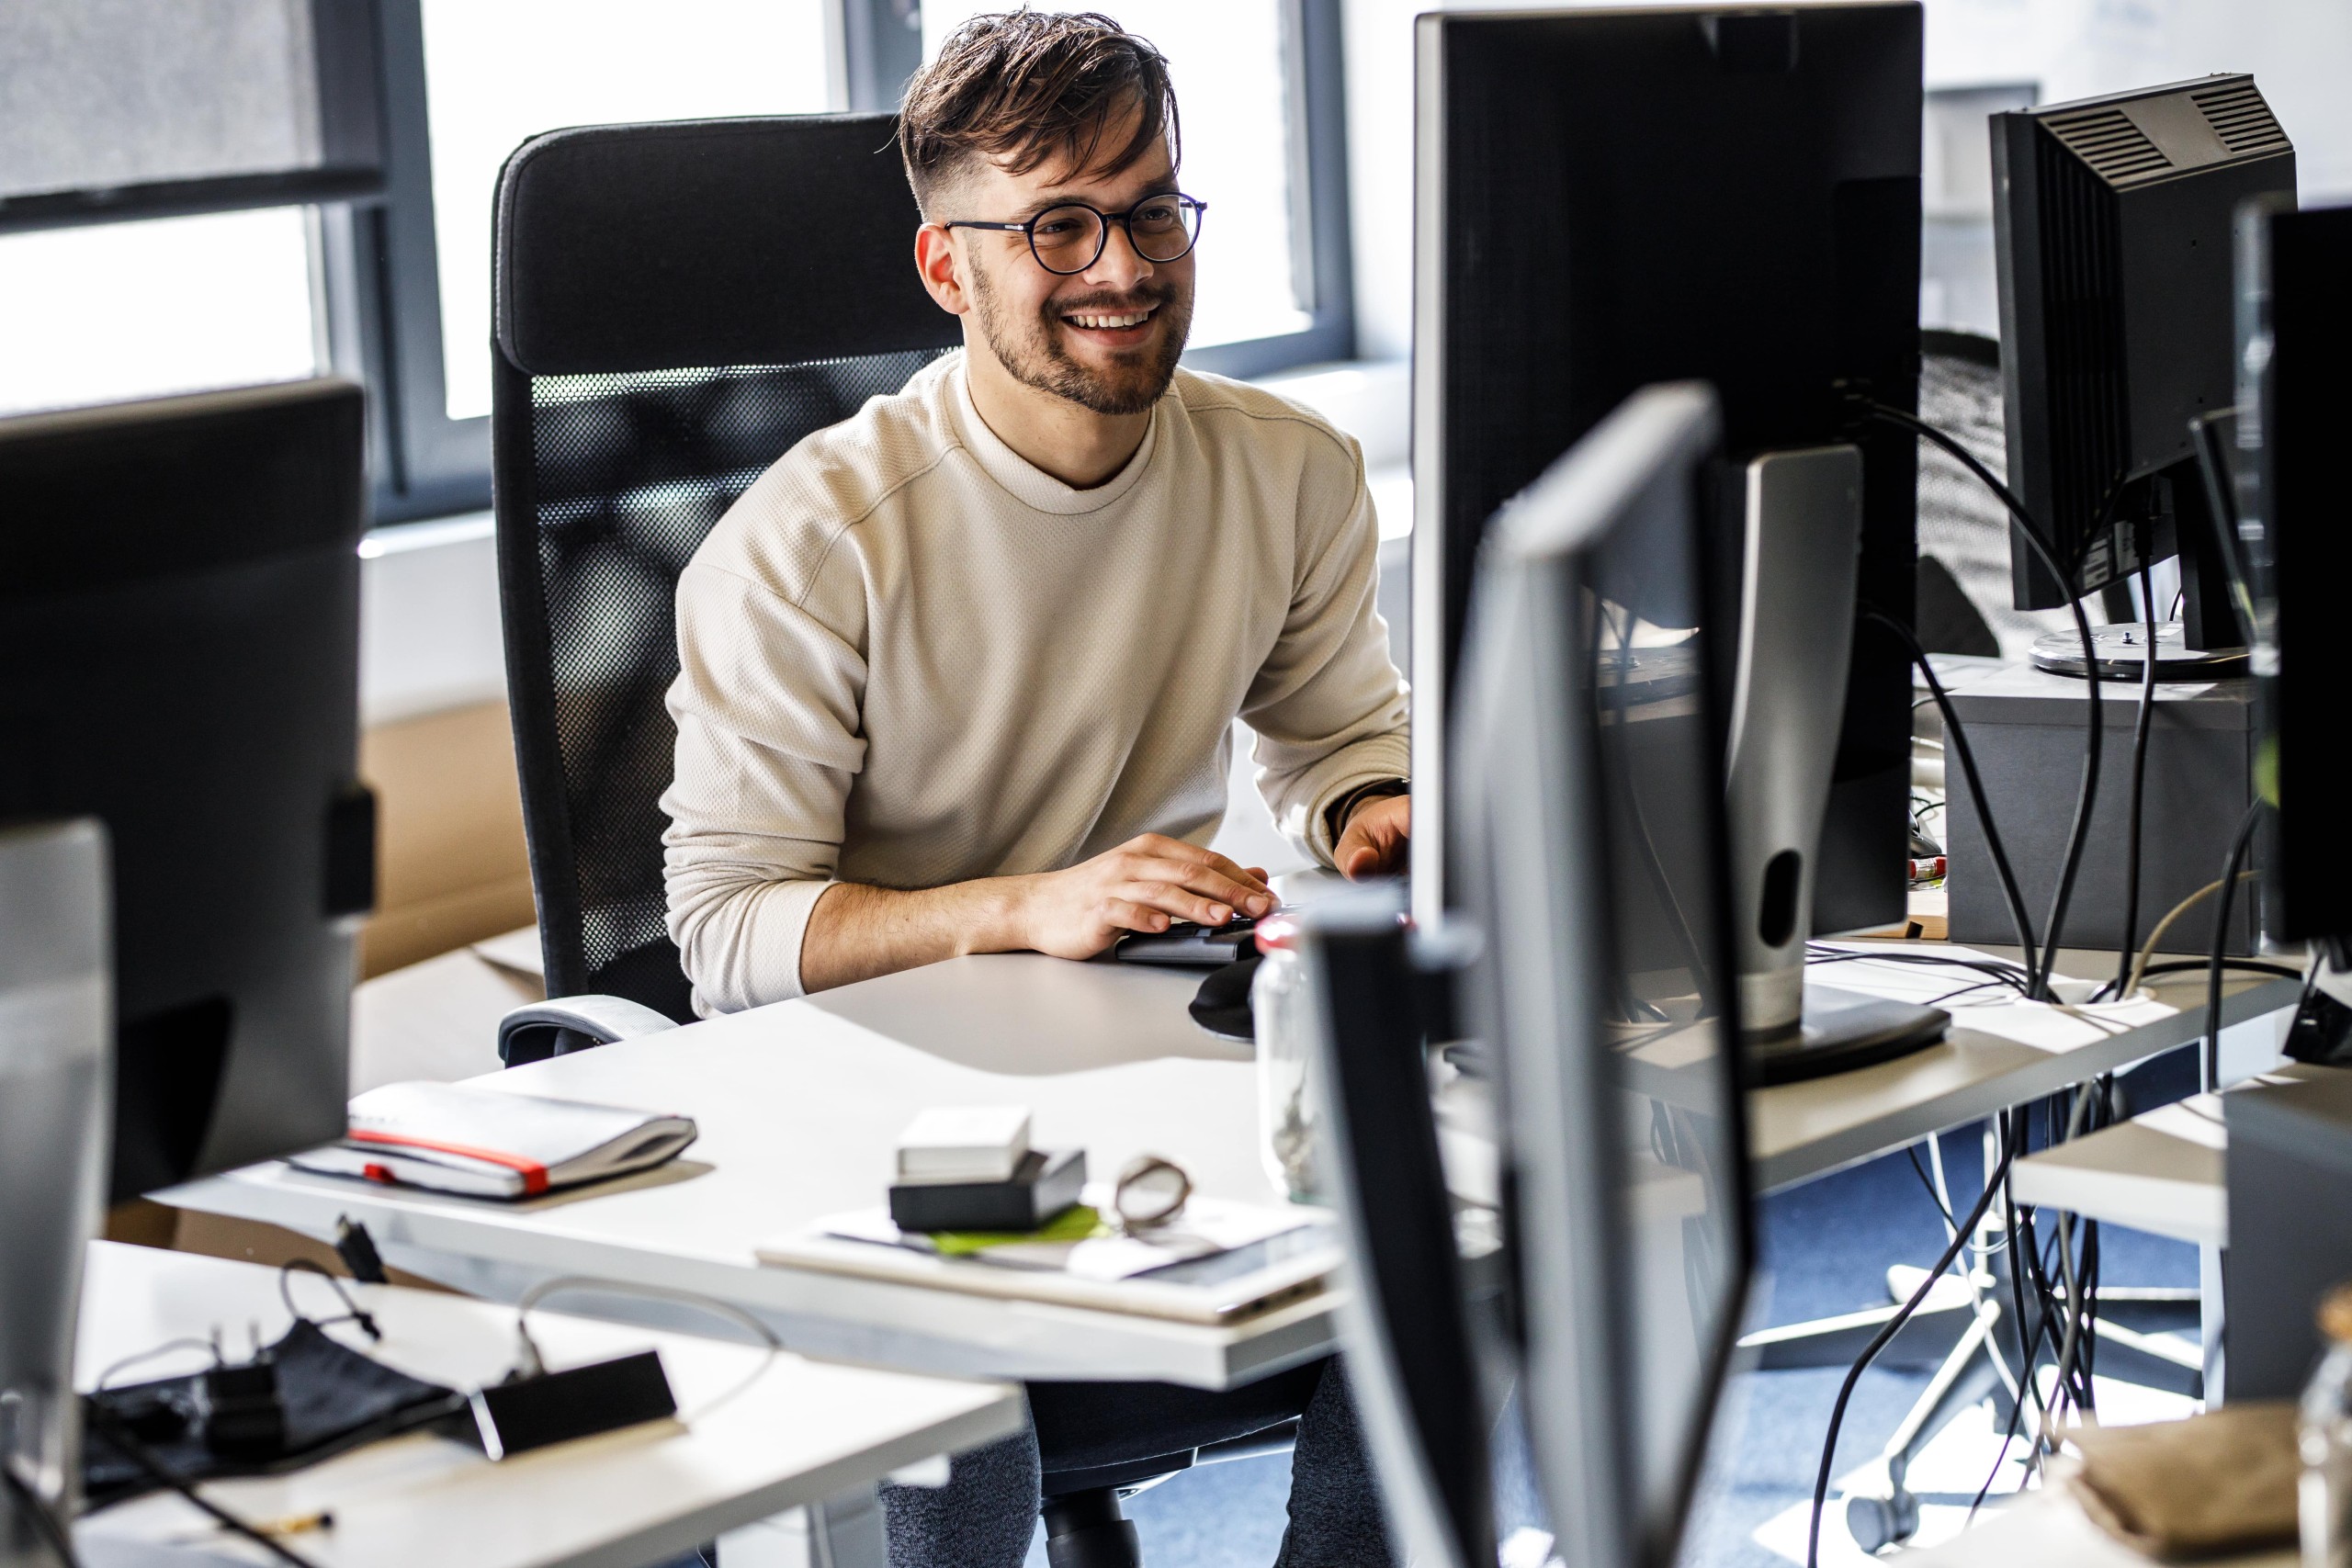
x,y
676,306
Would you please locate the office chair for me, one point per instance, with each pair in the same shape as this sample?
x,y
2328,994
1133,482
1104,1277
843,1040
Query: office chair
x,y
675,306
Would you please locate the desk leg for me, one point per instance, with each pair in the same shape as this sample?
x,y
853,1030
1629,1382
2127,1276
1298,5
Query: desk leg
x,y
2213,1312
842,1533
849,1533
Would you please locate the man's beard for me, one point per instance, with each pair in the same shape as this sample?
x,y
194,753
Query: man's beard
x,y
1031,349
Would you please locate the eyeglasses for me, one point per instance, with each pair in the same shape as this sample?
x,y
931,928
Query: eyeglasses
x,y
1069,239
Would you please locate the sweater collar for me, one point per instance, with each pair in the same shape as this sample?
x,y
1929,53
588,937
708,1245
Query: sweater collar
x,y
1024,479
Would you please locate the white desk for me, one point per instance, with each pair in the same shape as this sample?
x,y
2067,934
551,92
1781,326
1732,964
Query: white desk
x,y
1995,1057
2163,1172
791,1434
2049,1530
798,1102
799,1106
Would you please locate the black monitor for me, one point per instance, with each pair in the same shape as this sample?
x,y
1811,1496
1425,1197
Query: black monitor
x,y
1607,199
179,610
2112,226
2295,406
1587,849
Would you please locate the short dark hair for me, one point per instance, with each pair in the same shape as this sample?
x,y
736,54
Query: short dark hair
x,y
1025,87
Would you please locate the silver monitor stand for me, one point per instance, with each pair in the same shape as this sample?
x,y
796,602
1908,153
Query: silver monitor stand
x,y
56,1029
1803,538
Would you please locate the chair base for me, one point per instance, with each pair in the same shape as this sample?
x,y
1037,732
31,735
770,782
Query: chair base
x,y
1085,1530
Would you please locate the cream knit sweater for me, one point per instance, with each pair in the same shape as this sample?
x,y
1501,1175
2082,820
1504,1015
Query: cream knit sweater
x,y
908,658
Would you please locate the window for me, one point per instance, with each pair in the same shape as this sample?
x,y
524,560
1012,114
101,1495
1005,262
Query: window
x,y
117,310
272,188
497,74
1244,76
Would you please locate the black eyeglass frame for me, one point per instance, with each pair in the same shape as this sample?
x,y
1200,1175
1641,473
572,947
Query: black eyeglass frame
x,y
1027,229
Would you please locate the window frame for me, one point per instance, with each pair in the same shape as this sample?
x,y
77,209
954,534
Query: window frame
x,y
375,258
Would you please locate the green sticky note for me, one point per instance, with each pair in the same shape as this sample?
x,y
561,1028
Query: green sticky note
x,y
1079,1221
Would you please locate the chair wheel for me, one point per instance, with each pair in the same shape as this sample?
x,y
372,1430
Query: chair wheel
x,y
1877,1523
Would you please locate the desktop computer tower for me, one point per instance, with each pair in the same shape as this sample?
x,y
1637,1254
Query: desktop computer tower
x,y
2025,728
2291,1239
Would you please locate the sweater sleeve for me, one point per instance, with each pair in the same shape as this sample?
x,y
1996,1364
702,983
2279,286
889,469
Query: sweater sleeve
x,y
1327,705
767,703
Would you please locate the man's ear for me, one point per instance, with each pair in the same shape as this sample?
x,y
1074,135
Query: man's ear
x,y
942,269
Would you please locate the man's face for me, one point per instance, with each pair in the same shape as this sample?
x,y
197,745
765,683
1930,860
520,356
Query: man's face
x,y
1107,338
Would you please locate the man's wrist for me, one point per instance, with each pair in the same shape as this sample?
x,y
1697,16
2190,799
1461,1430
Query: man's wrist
x,y
1340,812
1002,925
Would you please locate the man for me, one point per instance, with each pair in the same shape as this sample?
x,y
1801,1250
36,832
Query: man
x,y
958,674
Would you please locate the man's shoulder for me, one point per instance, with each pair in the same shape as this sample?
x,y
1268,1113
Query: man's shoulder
x,y
1226,409
791,520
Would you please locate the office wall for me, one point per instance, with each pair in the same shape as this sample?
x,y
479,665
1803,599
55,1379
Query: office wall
x,y
436,745
2299,50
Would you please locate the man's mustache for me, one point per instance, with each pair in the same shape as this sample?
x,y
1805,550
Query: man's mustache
x,y
1111,304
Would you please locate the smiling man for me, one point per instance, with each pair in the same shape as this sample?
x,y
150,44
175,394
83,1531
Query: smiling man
x,y
958,674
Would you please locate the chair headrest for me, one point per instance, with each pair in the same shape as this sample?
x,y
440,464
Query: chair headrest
x,y
772,240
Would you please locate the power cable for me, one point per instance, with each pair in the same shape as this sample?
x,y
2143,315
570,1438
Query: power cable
x,y
2141,967
1879,1342
2030,531
2220,941
2139,774
1957,745
127,1443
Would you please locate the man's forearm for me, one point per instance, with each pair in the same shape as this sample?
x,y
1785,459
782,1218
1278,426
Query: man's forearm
x,y
857,932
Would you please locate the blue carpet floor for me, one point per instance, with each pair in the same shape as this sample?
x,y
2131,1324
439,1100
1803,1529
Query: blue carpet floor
x,y
1823,1249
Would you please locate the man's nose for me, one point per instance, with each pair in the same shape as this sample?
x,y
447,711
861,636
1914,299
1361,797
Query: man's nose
x,y
1120,266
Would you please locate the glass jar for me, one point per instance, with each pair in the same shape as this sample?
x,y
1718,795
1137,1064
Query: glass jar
x,y
1279,1016
2323,1505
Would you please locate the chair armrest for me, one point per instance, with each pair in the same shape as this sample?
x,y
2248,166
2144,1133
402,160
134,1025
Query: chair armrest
x,y
564,1024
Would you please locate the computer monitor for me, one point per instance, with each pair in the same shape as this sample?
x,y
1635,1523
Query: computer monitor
x,y
53,1047
1607,198
179,608
2112,228
1587,837
2294,406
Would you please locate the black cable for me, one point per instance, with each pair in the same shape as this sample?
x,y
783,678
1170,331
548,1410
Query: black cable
x,y
2003,971
2030,1351
1879,1342
2238,847
2089,1276
2030,531
119,1434
1956,740
1933,1196
1937,1199
2139,777
46,1523
352,1311
2018,1129
2252,965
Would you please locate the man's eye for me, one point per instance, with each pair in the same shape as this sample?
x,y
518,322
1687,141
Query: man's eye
x,y
1158,215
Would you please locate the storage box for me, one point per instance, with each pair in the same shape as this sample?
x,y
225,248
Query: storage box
x,y
2027,728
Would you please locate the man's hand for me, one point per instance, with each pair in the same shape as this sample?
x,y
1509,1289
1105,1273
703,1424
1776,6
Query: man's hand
x,y
1373,844
857,932
1139,887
